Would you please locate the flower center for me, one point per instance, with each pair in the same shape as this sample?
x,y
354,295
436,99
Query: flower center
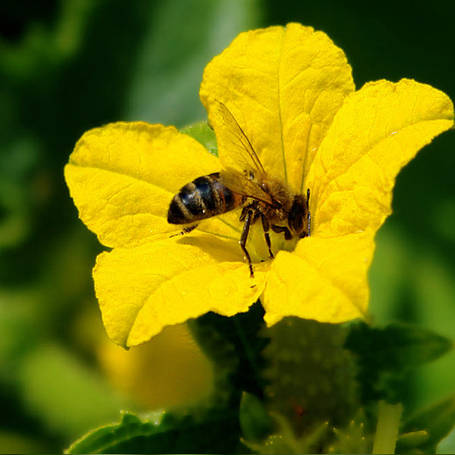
x,y
257,244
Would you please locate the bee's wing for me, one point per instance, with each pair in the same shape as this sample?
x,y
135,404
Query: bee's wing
x,y
239,183
240,154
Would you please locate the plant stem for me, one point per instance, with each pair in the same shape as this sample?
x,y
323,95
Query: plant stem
x,y
389,416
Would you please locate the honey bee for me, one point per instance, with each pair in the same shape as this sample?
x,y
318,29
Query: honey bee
x,y
259,195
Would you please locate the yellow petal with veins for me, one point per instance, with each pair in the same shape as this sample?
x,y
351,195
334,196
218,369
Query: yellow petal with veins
x,y
377,131
323,279
143,289
283,86
123,176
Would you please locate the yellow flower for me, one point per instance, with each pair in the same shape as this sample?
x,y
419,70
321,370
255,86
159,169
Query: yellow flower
x,y
291,90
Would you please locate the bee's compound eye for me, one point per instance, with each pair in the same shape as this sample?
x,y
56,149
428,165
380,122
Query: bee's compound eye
x,y
297,215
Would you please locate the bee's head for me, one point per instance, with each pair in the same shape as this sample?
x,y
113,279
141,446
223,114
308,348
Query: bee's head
x,y
298,217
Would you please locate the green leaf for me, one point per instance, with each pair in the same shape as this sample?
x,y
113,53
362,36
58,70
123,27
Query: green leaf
x,y
214,431
203,134
428,426
386,355
255,421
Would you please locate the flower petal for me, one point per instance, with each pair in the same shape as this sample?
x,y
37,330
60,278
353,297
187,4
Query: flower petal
x,y
123,176
283,85
376,132
143,289
323,279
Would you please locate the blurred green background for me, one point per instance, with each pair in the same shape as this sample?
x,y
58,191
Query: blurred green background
x,y
70,65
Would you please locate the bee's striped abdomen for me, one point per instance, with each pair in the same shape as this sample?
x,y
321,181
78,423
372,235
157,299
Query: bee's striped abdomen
x,y
202,198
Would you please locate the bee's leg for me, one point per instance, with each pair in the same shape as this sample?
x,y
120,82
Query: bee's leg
x,y
185,230
280,229
246,209
266,227
308,217
246,228
244,213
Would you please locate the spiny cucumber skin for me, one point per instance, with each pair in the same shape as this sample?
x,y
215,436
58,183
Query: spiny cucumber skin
x,y
310,377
